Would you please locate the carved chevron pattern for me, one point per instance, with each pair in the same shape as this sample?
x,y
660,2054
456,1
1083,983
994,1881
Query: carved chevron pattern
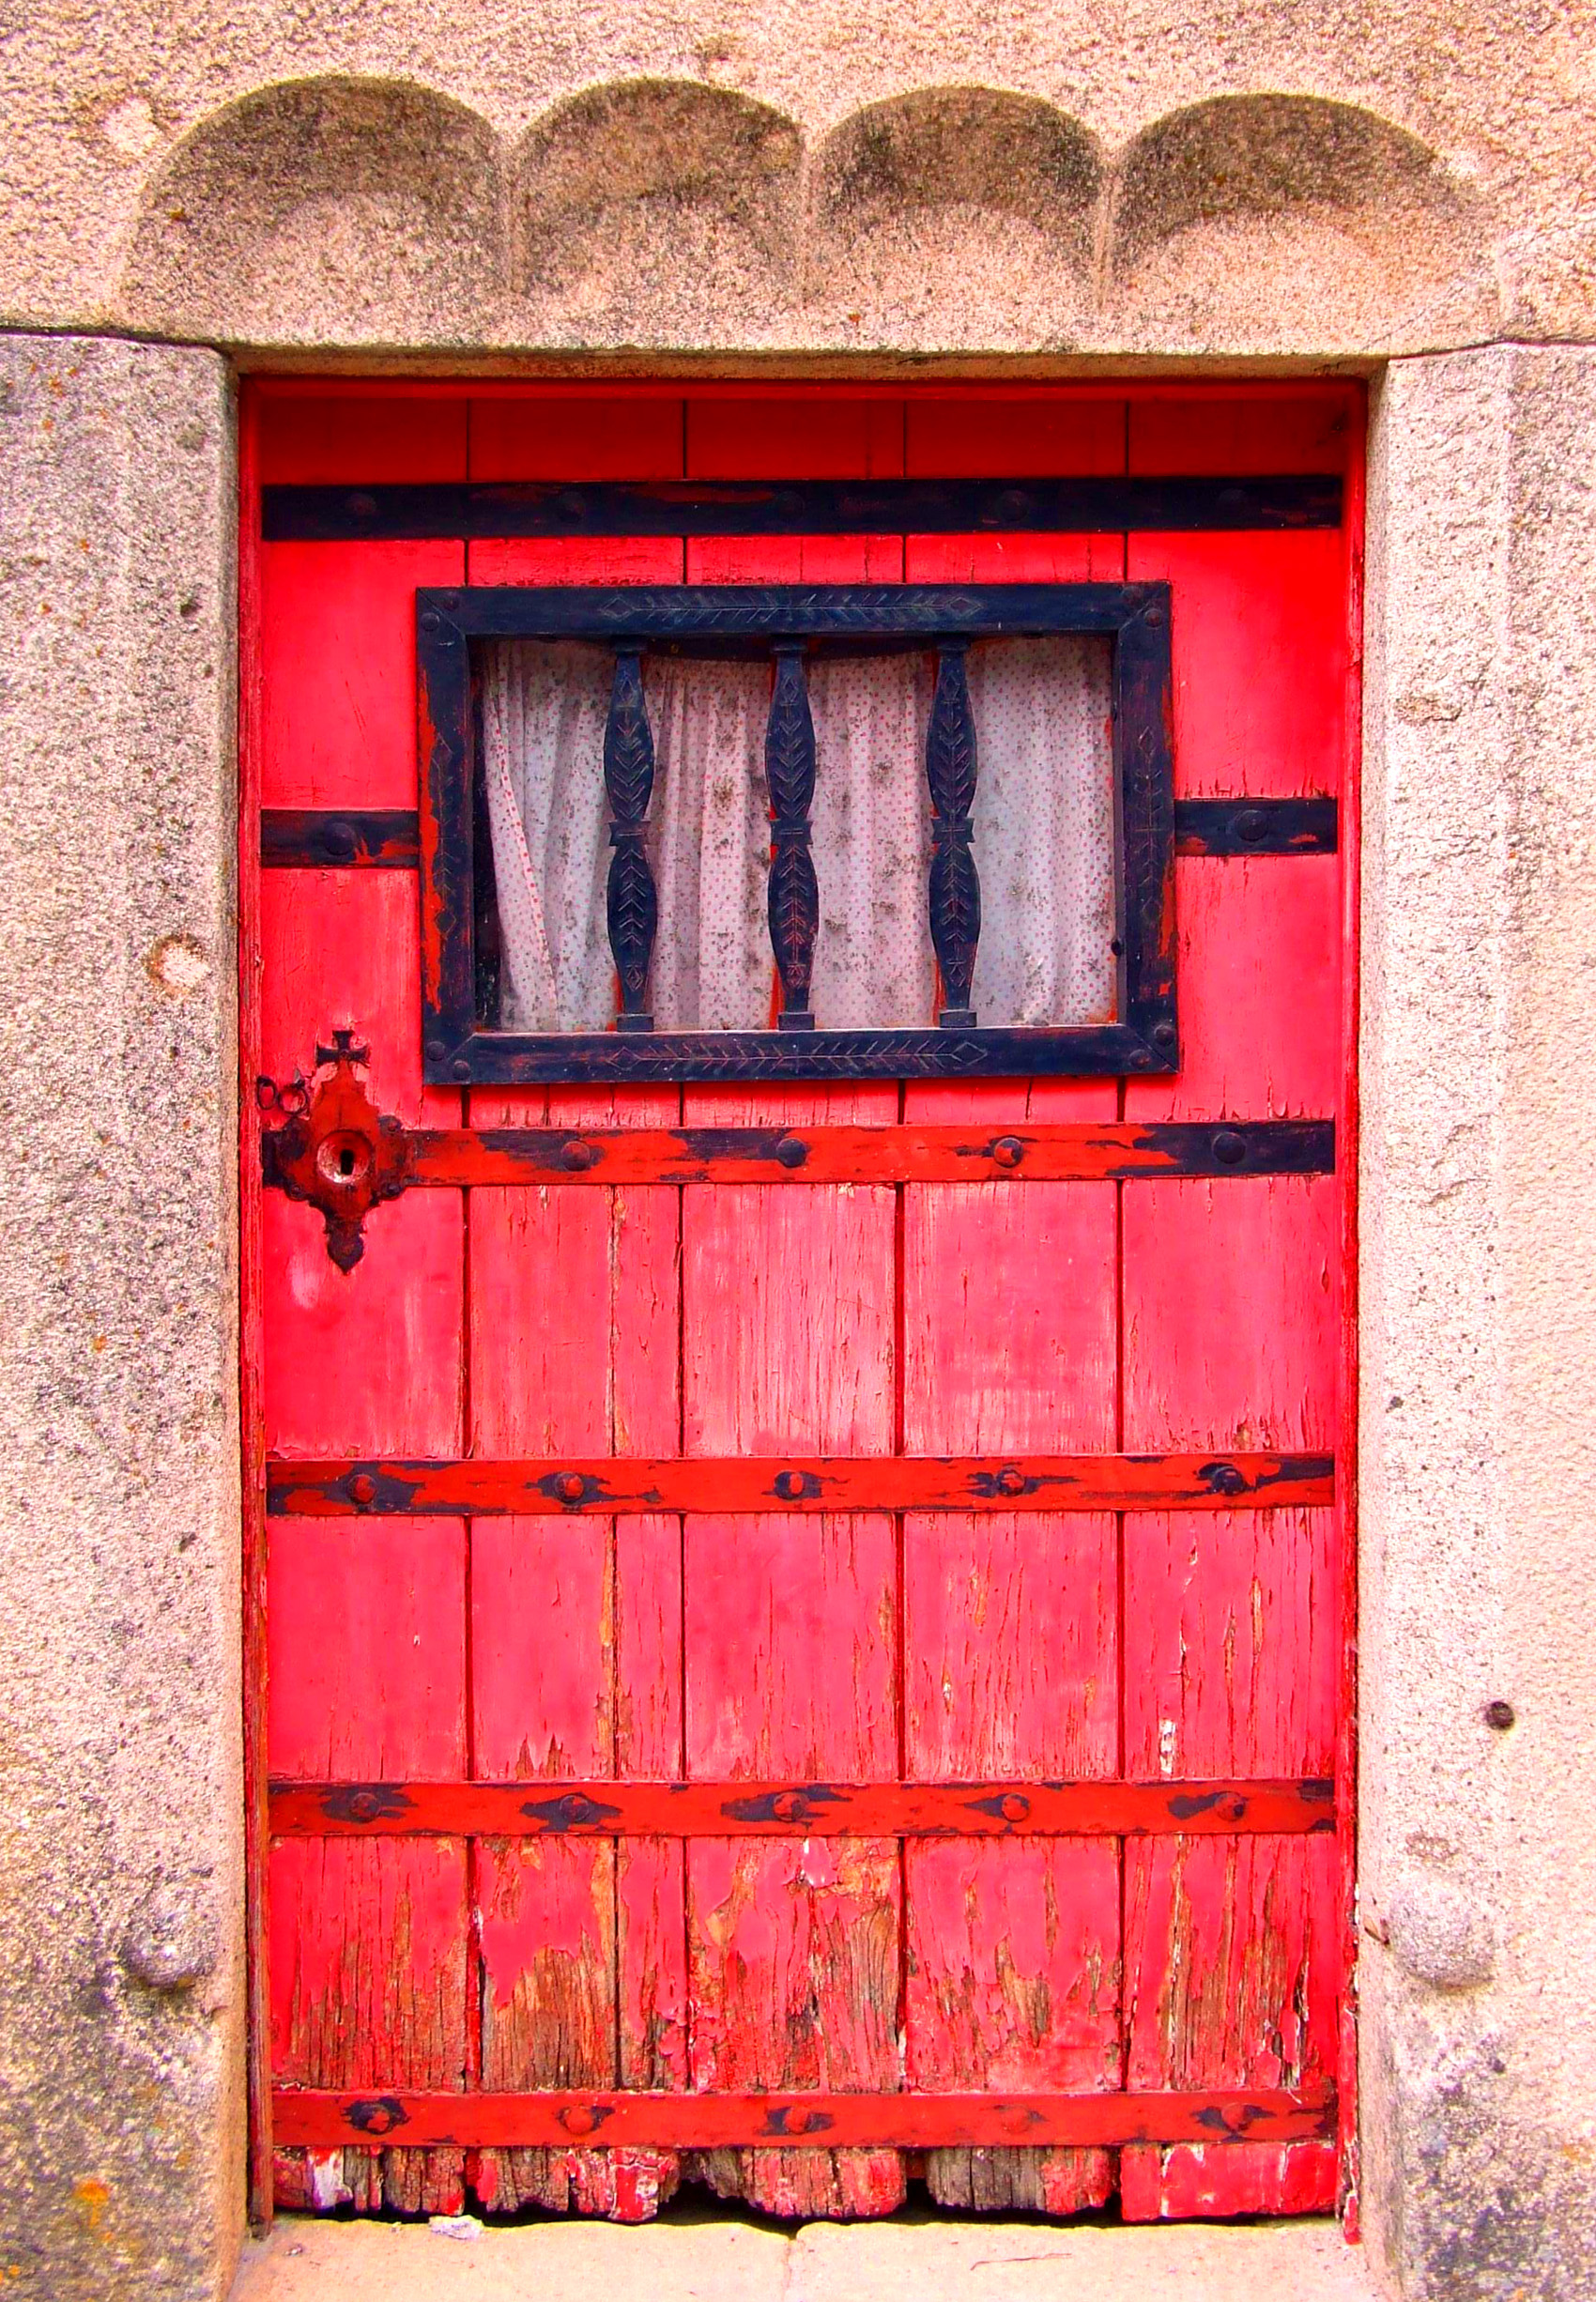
x,y
793,894
633,915
632,903
833,609
801,1055
628,745
955,882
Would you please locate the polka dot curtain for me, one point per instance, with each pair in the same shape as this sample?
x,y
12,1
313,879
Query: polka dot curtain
x,y
1043,837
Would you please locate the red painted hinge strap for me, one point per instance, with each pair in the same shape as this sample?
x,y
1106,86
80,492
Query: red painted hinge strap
x,y
323,2120
417,1487
1109,1809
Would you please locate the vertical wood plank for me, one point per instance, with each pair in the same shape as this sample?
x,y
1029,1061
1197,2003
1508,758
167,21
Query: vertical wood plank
x,y
594,436
1010,1341
252,1421
346,440
791,1632
1015,436
338,669
1216,434
1231,1338
578,1628
1259,648
368,1942
1233,1947
792,1650
368,1360
1258,978
799,438
1010,1635
576,1653
1259,630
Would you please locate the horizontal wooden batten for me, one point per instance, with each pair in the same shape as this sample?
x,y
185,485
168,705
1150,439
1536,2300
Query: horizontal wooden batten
x,y
1255,826
813,1810
389,838
303,2118
459,1157
403,510
390,1486
340,838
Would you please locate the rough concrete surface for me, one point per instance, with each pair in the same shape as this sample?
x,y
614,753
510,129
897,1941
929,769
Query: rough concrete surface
x,y
120,1796
713,2261
1326,176
1478,1494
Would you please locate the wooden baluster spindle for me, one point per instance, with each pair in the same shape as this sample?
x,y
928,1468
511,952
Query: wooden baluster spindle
x,y
633,904
794,892
955,883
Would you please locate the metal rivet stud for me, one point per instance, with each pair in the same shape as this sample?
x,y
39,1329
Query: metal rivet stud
x,y
571,1487
578,1156
577,2119
1013,1808
1500,1715
787,1805
1008,1151
362,1488
363,506
365,1806
790,1485
1252,824
1164,1035
460,1068
338,840
790,1152
1229,1147
1010,1482
436,1051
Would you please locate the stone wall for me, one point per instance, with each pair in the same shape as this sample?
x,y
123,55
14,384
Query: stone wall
x,y
1268,177
1476,1491
121,2022
1407,191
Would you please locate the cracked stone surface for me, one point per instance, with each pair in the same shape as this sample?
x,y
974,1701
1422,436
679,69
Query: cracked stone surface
x,y
710,2259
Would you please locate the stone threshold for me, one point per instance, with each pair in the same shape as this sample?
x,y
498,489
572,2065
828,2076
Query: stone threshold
x,y
709,2257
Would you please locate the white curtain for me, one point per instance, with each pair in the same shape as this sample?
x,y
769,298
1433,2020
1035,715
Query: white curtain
x,y
1043,836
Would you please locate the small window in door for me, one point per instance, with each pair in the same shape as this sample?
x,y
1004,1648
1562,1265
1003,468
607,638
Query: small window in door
x,y
797,831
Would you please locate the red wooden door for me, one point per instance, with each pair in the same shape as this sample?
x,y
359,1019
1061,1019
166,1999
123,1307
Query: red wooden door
x,y
1038,1891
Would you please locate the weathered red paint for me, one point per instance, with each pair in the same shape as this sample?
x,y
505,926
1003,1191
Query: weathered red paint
x,y
808,2120
1021,1807
568,1486
1078,1153
250,1417
1102,1991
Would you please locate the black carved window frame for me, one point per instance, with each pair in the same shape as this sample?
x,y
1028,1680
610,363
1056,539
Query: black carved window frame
x,y
788,623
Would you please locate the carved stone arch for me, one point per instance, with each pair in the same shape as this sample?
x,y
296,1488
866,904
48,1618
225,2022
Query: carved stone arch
x,y
656,210
334,210
961,215
1289,221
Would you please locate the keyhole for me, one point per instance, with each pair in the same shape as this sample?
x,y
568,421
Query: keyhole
x,y
342,1161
